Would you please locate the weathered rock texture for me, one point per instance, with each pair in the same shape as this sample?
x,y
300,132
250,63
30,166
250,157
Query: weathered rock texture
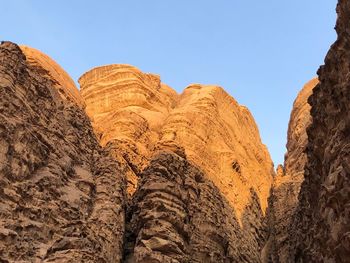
x,y
177,215
286,186
321,230
297,139
64,197
135,112
61,195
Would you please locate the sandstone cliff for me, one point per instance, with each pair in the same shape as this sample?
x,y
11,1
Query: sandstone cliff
x,y
286,186
61,195
204,128
148,175
139,115
321,229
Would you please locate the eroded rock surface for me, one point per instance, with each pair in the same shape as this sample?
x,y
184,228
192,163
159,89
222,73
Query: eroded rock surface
x,y
178,215
61,195
198,174
321,230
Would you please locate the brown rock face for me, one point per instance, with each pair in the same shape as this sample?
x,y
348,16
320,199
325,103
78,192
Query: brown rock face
x,y
198,174
177,215
321,230
60,79
61,195
284,195
139,115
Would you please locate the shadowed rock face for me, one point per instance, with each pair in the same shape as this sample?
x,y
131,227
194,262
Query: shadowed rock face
x,y
286,186
177,215
316,226
61,195
321,230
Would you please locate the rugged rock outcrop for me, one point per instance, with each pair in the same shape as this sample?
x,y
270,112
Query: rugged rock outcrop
x,y
208,130
195,170
177,215
64,197
321,228
297,139
61,195
221,137
135,112
286,186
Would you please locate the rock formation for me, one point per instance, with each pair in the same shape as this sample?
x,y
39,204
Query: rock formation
x,y
62,196
221,137
139,115
286,186
321,229
316,226
68,193
177,215
128,170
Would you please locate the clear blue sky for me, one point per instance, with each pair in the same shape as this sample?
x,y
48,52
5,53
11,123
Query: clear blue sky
x,y
261,52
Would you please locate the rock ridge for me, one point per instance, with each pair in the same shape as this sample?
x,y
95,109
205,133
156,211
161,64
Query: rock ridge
x,y
62,195
201,122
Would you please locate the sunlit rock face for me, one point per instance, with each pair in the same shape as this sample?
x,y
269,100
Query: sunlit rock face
x,y
139,115
48,67
62,195
127,109
286,187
